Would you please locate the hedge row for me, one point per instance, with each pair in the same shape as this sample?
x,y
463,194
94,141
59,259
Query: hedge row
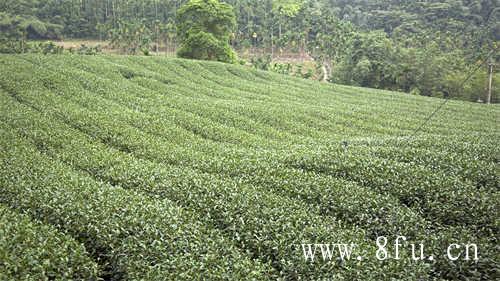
x,y
268,226
469,164
376,106
30,250
466,172
152,146
144,125
439,197
130,235
345,123
372,213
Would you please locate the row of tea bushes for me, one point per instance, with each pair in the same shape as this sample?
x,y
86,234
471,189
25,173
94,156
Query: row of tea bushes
x,y
33,251
437,196
130,235
269,227
155,151
369,211
266,162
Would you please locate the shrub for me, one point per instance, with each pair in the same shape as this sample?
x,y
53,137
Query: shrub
x,y
204,27
108,147
30,250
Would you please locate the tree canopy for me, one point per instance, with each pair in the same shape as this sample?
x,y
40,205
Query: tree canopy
x,y
204,28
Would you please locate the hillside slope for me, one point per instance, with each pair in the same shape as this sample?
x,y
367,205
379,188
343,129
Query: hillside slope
x,y
177,169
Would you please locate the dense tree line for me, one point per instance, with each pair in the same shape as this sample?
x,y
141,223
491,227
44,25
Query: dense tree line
x,y
290,23
422,47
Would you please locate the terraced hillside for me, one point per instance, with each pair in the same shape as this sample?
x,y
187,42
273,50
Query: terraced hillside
x,y
146,168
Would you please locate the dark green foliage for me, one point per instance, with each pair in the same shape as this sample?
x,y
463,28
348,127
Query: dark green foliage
x,y
374,60
86,50
21,26
18,47
131,37
229,204
205,46
262,62
247,164
131,235
30,250
203,29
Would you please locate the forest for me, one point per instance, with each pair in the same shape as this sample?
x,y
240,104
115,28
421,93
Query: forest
x,y
418,47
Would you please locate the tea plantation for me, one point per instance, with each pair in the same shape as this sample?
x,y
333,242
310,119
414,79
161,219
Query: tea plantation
x,y
140,168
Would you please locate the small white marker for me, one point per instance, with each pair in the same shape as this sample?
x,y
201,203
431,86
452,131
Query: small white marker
x,y
431,258
360,258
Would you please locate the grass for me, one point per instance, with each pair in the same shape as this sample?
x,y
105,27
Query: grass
x,y
196,170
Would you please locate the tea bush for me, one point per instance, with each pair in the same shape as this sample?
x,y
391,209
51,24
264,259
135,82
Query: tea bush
x,y
30,250
188,169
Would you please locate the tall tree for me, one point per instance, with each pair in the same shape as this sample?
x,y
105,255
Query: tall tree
x,y
204,28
